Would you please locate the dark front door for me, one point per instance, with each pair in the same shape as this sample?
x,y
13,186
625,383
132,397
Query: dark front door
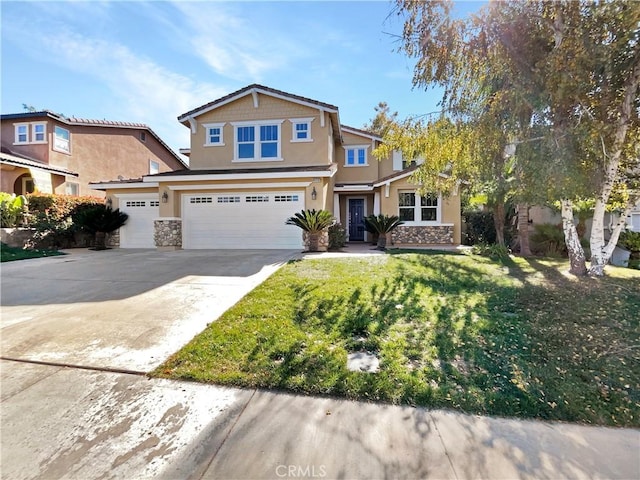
x,y
356,217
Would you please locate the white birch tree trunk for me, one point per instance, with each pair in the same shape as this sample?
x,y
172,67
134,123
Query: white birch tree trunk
x,y
572,240
600,251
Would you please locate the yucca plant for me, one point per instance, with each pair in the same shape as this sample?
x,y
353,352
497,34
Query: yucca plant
x,y
313,222
100,220
382,225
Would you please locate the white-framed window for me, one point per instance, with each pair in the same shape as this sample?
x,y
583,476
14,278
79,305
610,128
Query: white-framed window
x,y
62,139
634,224
71,188
22,133
356,156
301,129
154,167
39,132
214,134
258,141
416,208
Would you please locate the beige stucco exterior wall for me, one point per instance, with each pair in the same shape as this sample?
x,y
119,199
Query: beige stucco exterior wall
x,y
356,174
315,152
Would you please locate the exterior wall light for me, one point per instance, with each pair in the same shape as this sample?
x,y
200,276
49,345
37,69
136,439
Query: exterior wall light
x,y
165,197
314,194
109,202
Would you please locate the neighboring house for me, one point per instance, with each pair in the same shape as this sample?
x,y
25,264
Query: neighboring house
x,y
50,153
259,155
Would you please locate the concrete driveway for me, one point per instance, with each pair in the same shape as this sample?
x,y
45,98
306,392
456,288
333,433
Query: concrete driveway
x,y
122,309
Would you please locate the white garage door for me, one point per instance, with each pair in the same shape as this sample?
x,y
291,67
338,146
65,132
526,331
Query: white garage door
x,y
138,231
241,220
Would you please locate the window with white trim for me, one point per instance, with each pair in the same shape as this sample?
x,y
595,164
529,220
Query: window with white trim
x,y
301,129
413,207
214,134
22,133
62,139
356,156
39,132
154,167
258,142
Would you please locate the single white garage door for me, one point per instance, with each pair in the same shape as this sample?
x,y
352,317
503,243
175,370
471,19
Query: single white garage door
x,y
138,231
241,220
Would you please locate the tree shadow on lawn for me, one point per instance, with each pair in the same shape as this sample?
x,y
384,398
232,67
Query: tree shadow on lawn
x,y
449,333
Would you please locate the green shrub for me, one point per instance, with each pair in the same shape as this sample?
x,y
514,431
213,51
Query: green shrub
x,y
53,217
630,240
480,228
12,209
548,240
312,221
493,251
337,236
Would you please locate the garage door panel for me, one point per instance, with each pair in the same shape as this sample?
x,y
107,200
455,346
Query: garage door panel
x,y
138,231
241,220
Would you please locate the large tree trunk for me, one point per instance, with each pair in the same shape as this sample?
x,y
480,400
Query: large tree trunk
x,y
572,240
601,252
498,222
523,229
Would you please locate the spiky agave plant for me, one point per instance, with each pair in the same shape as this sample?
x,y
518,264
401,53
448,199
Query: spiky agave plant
x,y
313,222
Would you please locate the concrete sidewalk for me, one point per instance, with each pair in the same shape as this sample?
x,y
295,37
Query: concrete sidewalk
x,y
73,423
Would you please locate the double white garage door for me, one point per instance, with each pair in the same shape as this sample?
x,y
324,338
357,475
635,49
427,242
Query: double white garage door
x,y
225,220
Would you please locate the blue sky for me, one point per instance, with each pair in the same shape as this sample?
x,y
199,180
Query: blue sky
x,y
152,61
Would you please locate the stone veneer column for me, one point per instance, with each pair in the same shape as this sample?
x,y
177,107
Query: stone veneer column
x,y
168,234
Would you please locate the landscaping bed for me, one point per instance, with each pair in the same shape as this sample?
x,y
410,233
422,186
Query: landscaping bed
x,y
519,338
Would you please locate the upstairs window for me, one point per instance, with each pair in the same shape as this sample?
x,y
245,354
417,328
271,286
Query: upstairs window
x,y
154,167
356,156
301,129
416,208
258,142
213,134
62,140
22,133
39,132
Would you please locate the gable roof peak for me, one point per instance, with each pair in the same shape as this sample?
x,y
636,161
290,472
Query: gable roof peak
x,y
253,88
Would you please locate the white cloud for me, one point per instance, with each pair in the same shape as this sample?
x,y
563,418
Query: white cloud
x,y
235,41
138,88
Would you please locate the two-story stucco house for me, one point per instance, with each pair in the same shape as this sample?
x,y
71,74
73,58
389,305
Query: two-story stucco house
x,y
257,156
50,153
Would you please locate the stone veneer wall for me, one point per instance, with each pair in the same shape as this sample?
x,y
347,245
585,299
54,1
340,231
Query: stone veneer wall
x,y
168,233
113,239
323,241
436,234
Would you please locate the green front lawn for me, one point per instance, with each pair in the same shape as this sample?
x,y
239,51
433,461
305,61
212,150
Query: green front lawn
x,y
452,331
9,254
